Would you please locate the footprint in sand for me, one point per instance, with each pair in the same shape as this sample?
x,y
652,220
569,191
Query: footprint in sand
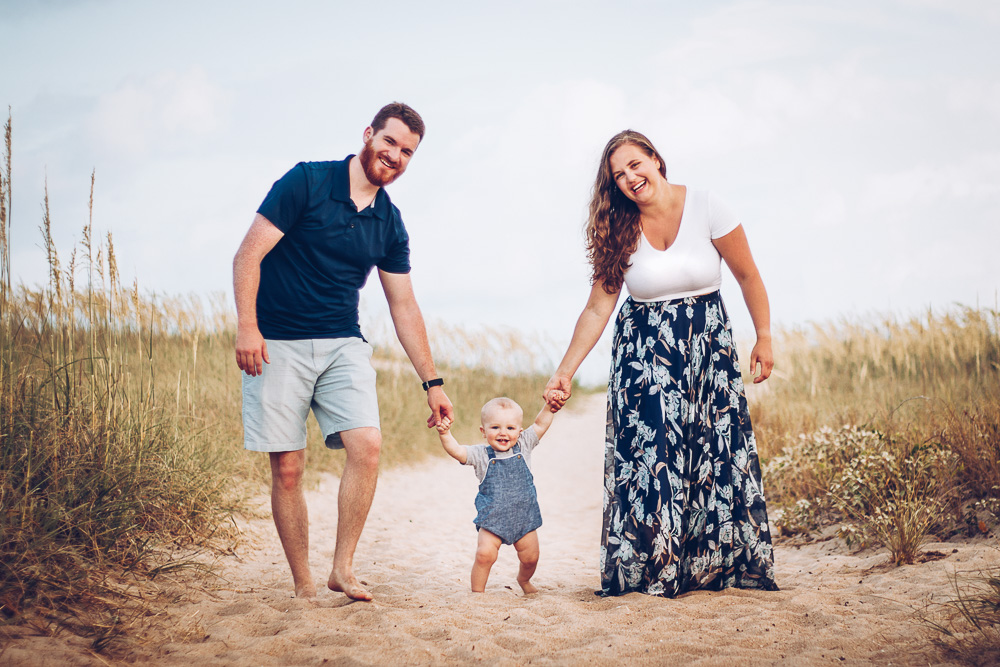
x,y
266,629
339,639
515,641
432,634
238,608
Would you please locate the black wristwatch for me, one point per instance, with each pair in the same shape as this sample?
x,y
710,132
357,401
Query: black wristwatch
x,y
436,382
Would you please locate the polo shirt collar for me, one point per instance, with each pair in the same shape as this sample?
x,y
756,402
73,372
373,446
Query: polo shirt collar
x,y
341,191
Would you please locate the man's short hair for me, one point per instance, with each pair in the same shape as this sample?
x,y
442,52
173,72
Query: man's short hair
x,y
501,403
403,112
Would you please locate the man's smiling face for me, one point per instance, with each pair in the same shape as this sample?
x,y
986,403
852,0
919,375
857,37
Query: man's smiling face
x,y
387,152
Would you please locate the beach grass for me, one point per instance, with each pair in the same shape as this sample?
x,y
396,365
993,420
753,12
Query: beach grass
x,y
968,624
891,428
97,472
121,437
888,430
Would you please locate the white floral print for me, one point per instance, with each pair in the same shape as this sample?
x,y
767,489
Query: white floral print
x,y
684,506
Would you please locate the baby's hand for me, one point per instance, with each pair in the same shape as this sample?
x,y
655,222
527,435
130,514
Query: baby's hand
x,y
443,426
555,398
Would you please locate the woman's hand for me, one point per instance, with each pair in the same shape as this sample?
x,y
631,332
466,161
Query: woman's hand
x,y
590,325
558,391
763,357
736,251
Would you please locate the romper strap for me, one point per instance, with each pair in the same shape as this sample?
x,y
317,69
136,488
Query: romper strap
x,y
492,454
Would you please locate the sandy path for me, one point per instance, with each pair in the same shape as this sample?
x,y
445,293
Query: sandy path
x,y
416,553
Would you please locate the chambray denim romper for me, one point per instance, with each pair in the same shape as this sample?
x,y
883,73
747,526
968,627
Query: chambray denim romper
x,y
507,502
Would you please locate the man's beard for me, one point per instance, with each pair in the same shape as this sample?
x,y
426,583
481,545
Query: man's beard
x,y
371,165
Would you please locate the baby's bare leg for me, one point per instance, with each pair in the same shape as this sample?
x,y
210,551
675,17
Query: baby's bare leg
x,y
486,555
527,553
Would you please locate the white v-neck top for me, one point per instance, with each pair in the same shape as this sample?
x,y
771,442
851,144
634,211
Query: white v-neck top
x,y
691,265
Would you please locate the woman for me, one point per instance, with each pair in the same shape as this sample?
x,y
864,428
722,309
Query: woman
x,y
683,502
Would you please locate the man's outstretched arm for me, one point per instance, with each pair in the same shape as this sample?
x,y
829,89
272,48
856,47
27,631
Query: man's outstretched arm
x,y
409,324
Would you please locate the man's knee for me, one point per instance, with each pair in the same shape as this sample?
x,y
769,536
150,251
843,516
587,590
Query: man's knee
x,y
287,469
363,445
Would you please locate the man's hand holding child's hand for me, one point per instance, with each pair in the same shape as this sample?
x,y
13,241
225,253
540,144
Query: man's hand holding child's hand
x,y
444,425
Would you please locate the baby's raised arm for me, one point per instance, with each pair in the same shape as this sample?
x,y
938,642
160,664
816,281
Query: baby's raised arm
x,y
544,419
448,441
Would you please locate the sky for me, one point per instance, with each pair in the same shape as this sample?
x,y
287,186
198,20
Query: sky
x,y
857,141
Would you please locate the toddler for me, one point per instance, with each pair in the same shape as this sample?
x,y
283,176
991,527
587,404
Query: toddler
x,y
507,504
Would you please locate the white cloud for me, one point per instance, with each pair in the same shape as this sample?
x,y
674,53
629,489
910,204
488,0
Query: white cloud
x,y
971,95
166,111
979,10
740,36
857,139
900,196
830,210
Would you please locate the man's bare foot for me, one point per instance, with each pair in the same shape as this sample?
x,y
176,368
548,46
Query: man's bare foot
x,y
349,586
306,590
528,587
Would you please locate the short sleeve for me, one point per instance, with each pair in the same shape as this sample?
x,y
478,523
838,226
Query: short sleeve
x,y
721,219
476,456
397,257
528,439
286,199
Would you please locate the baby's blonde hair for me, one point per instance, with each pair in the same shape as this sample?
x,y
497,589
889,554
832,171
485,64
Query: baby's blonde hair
x,y
500,403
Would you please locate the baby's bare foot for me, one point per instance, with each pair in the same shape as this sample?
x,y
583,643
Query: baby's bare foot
x,y
528,587
349,585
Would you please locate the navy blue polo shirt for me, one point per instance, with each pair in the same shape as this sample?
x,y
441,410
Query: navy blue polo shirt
x,y
310,281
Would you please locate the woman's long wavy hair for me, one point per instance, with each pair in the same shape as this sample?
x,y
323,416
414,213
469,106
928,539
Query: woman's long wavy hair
x,y
613,227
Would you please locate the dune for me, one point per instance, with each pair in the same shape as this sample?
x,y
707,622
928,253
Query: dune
x,y
416,552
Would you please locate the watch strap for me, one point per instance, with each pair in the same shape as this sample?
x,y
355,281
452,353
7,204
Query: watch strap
x,y
436,382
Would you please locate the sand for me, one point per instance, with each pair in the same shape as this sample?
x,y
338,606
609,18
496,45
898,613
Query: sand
x,y
416,552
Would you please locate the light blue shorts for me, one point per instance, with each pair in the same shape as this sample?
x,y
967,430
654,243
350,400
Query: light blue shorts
x,y
333,376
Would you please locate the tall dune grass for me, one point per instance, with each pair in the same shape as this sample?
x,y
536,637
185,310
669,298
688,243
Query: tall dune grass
x,y
120,429
856,371
891,430
93,475
121,435
896,421
968,624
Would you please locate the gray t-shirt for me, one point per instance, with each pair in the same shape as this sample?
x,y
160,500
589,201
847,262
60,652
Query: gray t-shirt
x,y
478,456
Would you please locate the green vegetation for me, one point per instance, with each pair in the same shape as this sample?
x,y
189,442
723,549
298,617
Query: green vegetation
x,y
891,433
121,436
97,468
969,623
891,430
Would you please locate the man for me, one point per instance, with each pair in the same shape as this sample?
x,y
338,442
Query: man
x,y
297,277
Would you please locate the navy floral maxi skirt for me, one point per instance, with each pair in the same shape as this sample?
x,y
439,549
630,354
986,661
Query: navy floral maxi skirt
x,y
683,502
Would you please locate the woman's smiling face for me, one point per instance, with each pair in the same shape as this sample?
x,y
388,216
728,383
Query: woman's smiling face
x,y
635,172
